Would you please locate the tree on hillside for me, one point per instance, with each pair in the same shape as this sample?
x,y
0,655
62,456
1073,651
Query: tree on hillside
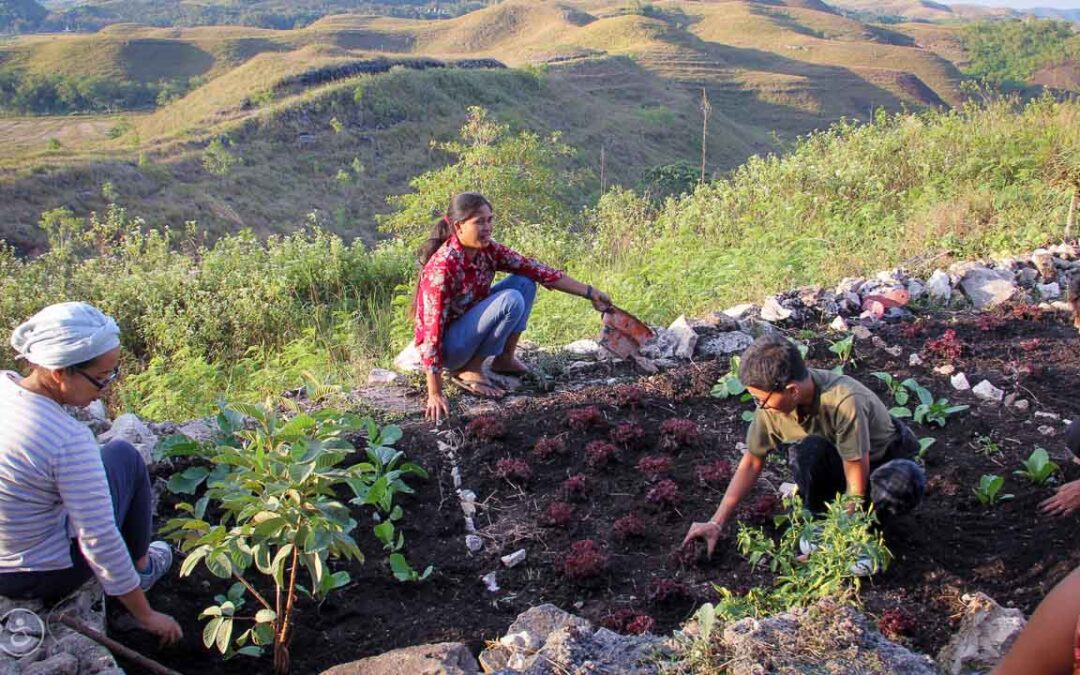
x,y
17,16
521,174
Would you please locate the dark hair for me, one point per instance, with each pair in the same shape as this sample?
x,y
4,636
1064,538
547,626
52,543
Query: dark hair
x,y
1072,437
462,207
770,363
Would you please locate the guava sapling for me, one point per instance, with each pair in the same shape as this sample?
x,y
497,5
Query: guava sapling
x,y
654,467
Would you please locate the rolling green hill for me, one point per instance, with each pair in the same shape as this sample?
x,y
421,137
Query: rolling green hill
x,y
297,109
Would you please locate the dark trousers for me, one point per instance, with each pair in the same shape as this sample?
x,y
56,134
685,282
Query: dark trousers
x,y
129,485
896,482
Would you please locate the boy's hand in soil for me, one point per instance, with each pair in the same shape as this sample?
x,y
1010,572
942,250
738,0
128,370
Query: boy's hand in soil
x,y
708,532
1064,502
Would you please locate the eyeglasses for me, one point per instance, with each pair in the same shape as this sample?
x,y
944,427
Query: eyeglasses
x,y
101,384
764,404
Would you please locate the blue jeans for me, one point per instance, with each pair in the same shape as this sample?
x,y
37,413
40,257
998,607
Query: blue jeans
x,y
129,485
484,329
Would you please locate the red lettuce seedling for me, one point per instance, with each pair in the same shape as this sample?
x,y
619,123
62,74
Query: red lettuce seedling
x,y
628,395
896,623
762,508
679,433
599,453
512,469
1030,345
988,323
629,526
558,514
947,347
1026,312
581,419
667,590
654,467
664,493
486,427
585,560
714,473
629,622
685,556
627,434
575,485
546,448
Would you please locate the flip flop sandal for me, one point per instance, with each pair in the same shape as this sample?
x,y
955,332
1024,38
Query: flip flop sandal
x,y
473,387
511,373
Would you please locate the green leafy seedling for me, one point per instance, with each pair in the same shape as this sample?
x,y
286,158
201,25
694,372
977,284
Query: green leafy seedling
x,y
931,410
729,385
924,446
899,391
844,349
989,490
1038,468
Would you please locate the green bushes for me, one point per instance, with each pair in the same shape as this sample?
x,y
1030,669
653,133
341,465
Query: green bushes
x,y
1007,53
242,316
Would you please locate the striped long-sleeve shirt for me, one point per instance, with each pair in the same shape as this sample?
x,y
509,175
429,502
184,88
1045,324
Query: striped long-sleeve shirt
x,y
52,488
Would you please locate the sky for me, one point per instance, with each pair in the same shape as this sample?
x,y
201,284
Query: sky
x,y
1020,4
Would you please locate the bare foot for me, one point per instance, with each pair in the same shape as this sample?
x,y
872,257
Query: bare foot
x,y
511,365
476,384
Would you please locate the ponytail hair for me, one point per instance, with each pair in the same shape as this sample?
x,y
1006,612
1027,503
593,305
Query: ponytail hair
x,y
462,207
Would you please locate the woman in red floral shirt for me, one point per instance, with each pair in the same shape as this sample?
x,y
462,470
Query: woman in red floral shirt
x,y
461,319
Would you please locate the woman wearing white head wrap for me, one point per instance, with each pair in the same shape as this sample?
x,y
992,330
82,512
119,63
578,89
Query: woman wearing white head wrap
x,y
69,509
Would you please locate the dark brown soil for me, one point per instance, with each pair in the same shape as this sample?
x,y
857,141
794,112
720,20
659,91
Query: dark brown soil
x,y
950,546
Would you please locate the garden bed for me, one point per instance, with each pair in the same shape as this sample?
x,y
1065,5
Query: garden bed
x,y
950,546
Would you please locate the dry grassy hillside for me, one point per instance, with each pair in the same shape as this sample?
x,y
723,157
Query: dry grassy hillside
x,y
630,82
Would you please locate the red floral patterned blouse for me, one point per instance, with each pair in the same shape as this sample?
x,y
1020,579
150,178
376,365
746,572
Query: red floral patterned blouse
x,y
450,285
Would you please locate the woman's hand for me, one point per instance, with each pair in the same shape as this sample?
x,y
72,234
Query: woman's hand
x,y
1064,502
601,301
708,532
437,407
163,626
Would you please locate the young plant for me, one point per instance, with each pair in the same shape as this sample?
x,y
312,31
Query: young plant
x,y
714,473
924,447
901,391
627,434
729,386
281,515
896,623
547,448
582,419
931,410
628,526
678,433
654,467
987,445
665,493
629,622
513,469
846,540
585,560
599,453
1038,468
662,591
628,395
558,514
989,490
948,346
844,350
576,485
486,427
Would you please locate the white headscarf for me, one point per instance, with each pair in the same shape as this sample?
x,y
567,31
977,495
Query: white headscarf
x,y
65,334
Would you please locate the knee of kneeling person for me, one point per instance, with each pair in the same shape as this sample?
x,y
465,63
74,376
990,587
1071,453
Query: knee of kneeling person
x,y
119,451
513,303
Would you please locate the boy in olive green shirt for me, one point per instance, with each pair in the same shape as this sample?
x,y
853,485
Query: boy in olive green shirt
x,y
838,435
